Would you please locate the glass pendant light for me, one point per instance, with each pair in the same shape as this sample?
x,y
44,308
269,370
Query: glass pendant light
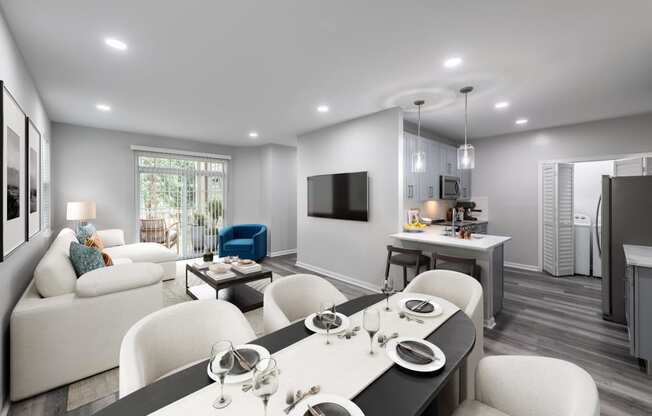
x,y
466,152
419,158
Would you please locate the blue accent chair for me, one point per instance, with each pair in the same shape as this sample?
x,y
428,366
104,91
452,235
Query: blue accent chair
x,y
248,241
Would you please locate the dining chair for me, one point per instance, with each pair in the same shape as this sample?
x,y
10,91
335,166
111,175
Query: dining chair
x,y
175,338
533,386
459,264
465,292
294,297
406,258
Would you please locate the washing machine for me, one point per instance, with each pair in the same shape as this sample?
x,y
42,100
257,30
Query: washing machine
x,y
583,244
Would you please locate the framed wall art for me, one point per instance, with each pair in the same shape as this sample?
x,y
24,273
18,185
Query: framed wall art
x,y
14,174
33,178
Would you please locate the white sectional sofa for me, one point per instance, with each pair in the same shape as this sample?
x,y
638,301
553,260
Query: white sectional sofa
x,y
114,241
66,328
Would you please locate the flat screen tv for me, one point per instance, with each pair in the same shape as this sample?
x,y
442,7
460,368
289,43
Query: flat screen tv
x,y
343,196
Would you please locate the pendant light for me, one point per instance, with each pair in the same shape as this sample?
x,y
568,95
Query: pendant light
x,y
419,158
466,152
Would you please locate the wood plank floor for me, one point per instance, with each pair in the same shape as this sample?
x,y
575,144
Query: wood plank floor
x,y
541,316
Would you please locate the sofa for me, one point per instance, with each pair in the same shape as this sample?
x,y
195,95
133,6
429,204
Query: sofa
x,y
247,241
66,328
114,243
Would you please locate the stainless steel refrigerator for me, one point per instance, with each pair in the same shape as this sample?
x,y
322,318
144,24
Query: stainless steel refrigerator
x,y
626,218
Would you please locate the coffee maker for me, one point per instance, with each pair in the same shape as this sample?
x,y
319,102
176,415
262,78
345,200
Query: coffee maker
x,y
469,208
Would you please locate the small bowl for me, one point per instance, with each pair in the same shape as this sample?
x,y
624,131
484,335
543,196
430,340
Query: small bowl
x,y
219,267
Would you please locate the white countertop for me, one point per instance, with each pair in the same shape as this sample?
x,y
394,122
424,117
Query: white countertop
x,y
640,256
434,235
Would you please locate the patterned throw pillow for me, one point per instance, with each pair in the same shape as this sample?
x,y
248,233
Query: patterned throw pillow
x,y
84,232
85,259
96,242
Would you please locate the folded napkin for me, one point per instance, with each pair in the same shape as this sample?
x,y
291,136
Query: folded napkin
x,y
404,350
413,305
329,409
251,356
321,324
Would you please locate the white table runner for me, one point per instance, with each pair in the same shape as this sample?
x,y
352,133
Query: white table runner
x,y
343,368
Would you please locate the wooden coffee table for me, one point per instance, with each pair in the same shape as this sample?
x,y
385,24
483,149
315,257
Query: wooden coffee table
x,y
231,289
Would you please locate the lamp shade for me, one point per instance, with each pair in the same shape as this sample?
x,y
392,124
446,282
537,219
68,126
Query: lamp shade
x,y
80,211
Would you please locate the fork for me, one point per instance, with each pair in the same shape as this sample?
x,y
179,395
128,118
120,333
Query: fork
x,y
314,412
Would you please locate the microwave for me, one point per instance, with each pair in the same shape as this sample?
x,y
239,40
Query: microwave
x,y
449,187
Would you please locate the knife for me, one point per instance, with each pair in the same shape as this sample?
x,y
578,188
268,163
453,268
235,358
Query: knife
x,y
314,412
242,361
420,306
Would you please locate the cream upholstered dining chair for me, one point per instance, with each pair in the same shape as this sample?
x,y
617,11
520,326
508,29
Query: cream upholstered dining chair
x,y
466,293
176,337
294,297
511,385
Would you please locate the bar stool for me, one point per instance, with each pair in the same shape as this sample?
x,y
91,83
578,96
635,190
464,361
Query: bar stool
x,y
458,264
406,258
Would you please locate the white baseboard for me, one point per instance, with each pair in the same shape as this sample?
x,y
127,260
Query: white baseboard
x,y
282,252
520,266
337,276
5,409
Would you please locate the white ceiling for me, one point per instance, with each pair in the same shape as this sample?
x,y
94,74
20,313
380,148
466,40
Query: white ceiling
x,y
215,70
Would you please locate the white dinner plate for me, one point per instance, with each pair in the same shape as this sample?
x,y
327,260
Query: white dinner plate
x,y
263,353
311,326
438,310
302,407
390,349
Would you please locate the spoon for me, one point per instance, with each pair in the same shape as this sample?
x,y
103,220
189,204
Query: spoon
x,y
300,396
402,315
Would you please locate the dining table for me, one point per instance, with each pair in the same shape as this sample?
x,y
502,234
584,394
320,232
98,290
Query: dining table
x,y
396,391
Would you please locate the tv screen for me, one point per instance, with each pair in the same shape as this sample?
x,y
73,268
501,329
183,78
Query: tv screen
x,y
342,196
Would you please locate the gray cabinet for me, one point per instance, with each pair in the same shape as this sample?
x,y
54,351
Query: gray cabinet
x,y
448,158
638,311
638,166
420,186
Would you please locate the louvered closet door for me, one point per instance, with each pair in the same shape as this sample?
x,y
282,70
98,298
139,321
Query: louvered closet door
x,y
558,232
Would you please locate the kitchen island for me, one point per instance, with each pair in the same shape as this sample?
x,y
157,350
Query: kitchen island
x,y
486,249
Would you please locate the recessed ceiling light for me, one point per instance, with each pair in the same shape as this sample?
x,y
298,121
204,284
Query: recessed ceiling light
x,y
521,121
501,104
453,62
253,134
116,44
323,109
103,107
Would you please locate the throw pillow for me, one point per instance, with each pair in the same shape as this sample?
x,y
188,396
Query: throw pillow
x,y
84,232
84,259
96,242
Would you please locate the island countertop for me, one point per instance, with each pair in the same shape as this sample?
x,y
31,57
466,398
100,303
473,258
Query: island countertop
x,y
640,256
435,235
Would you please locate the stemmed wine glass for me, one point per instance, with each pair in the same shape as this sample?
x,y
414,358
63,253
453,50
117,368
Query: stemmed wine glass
x,y
388,289
328,317
371,324
221,362
265,380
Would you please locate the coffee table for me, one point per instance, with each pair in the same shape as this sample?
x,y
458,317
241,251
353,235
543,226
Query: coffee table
x,y
231,289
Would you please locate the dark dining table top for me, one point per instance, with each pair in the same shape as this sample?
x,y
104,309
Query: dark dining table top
x,y
396,392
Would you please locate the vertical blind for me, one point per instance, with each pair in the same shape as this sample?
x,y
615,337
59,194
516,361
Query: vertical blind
x,y
45,184
184,194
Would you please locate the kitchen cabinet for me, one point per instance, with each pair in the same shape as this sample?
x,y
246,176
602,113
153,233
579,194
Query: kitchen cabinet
x,y
465,184
638,301
638,166
421,186
448,158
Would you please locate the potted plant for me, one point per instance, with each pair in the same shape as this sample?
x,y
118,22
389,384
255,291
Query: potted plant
x,y
198,231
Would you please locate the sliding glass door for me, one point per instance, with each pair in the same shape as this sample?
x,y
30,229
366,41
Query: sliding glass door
x,y
181,201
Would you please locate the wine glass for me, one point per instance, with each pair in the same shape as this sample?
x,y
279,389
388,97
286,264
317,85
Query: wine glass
x,y
328,317
371,324
265,380
221,362
388,289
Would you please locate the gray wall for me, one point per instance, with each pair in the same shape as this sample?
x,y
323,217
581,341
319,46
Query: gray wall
x,y
507,171
16,270
280,203
349,249
98,164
